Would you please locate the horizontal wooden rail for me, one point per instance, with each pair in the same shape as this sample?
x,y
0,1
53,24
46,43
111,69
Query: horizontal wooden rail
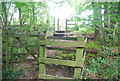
x,y
63,49
27,60
41,76
28,35
41,36
62,38
61,62
63,43
32,67
19,45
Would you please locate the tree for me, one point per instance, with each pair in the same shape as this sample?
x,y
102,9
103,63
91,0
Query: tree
x,y
104,19
4,14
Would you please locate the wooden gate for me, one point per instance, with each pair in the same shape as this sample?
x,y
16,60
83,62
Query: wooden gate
x,y
42,43
77,64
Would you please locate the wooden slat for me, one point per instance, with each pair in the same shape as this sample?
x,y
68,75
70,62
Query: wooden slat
x,y
62,38
28,35
21,35
63,49
66,31
53,77
61,62
63,43
49,37
32,67
23,58
26,45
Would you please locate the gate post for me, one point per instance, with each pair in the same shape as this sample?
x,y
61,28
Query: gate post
x,y
42,55
11,39
5,48
7,44
79,58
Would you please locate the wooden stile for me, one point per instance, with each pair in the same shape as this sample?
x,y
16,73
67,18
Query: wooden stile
x,y
77,64
44,43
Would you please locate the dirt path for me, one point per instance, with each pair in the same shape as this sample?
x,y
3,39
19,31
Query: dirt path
x,y
51,69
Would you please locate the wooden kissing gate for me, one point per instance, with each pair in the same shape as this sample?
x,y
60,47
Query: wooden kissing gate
x,y
42,43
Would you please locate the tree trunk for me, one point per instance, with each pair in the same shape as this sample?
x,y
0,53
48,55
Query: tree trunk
x,y
32,18
97,26
4,14
20,16
33,13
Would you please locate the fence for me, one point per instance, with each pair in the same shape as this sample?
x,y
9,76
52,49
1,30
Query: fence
x,y
41,42
64,24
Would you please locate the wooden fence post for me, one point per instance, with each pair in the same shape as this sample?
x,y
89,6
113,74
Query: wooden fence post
x,y
79,55
11,39
66,24
5,47
58,22
42,55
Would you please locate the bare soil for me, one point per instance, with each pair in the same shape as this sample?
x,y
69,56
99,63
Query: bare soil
x,y
55,70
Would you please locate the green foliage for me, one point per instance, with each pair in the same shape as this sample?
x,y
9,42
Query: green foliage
x,y
69,56
104,64
104,19
34,14
11,74
103,68
86,30
76,28
93,45
108,51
